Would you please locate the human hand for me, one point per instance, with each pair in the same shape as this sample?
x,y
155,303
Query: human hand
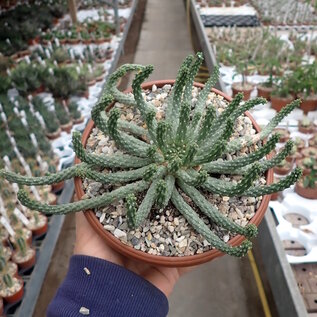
x,y
88,242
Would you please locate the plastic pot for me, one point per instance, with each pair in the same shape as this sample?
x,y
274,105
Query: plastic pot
x,y
175,261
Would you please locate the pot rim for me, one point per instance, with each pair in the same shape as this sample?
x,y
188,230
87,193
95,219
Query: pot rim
x,y
171,261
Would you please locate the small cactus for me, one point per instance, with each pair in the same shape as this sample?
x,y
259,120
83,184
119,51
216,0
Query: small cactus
x,y
168,158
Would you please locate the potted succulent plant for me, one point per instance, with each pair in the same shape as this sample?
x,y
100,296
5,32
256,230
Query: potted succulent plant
x,y
270,63
309,152
56,187
164,165
63,117
241,66
306,126
304,79
11,288
37,223
283,168
281,95
307,186
283,133
24,256
306,163
313,141
75,113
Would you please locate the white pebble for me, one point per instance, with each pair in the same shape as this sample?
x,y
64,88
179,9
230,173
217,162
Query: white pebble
x,y
119,233
183,243
102,218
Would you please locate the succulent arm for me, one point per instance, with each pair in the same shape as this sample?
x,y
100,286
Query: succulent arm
x,y
284,183
201,101
193,70
100,118
221,187
213,213
175,98
42,180
237,144
111,85
85,204
149,199
113,161
143,106
123,140
199,225
222,167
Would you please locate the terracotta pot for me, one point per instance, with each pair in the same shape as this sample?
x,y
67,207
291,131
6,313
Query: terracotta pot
x,y
79,120
307,130
67,127
275,196
40,230
284,134
293,158
86,42
58,187
309,151
264,92
54,135
100,60
308,103
312,141
183,261
100,78
309,193
14,298
278,103
38,91
99,40
236,88
91,82
27,263
73,41
300,164
282,170
62,41
24,53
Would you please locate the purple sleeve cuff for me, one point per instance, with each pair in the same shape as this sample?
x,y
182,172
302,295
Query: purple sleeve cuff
x,y
109,290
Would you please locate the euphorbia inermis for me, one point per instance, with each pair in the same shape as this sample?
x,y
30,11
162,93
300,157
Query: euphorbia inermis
x,y
173,156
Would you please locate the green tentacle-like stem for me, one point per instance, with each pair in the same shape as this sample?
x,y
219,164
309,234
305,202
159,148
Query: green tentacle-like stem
x,y
199,225
214,214
85,204
231,166
113,161
284,183
42,180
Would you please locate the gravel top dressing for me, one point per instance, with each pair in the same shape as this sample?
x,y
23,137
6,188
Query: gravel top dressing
x,y
166,232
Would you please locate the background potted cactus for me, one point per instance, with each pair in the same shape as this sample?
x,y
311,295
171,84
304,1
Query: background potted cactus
x,y
169,163
307,186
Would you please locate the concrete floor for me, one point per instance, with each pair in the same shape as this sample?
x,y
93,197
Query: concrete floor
x,y
221,288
